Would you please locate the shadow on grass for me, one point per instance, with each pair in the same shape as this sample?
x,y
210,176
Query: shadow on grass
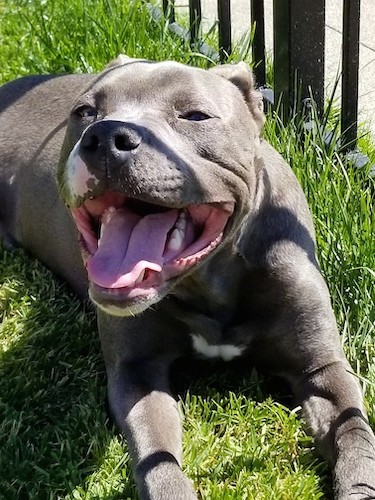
x,y
239,376
54,432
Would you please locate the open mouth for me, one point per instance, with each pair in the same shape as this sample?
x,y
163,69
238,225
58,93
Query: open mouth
x,y
130,247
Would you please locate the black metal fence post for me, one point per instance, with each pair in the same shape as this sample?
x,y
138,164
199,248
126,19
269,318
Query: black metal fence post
x,y
281,51
225,29
195,14
258,48
350,66
299,42
168,9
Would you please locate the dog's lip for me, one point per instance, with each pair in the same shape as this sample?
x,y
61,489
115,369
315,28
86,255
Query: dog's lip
x,y
140,280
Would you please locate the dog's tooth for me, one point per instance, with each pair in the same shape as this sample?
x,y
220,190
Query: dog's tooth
x,y
181,222
106,218
177,236
108,214
175,239
100,234
140,277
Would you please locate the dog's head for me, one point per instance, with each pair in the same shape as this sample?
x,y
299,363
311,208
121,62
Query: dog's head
x,y
157,169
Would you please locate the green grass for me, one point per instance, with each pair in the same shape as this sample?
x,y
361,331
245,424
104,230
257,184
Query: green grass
x,y
55,440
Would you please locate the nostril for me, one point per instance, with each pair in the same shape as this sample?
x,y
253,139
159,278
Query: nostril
x,y
122,143
127,141
90,142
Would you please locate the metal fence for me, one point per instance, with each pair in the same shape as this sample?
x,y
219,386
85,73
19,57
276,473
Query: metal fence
x,y
299,51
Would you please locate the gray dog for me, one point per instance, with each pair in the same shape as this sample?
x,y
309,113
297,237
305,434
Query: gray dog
x,y
149,184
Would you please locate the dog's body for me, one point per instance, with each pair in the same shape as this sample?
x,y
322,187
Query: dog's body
x,y
204,231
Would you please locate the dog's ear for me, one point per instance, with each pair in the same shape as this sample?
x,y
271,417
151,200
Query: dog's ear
x,y
241,75
122,59
119,61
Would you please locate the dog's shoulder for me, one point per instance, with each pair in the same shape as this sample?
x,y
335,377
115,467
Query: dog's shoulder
x,y
280,217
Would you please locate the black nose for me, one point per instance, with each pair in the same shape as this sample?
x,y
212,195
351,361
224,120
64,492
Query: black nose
x,y
108,143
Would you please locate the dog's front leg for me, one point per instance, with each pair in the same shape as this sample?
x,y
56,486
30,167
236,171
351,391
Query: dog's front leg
x,y
303,344
143,408
332,405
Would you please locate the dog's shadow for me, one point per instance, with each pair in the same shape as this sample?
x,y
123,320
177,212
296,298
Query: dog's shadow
x,y
54,431
56,439
242,376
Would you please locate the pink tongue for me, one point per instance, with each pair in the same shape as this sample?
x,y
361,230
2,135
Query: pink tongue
x,y
129,244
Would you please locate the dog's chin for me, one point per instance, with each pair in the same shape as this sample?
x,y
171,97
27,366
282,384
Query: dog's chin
x,y
124,308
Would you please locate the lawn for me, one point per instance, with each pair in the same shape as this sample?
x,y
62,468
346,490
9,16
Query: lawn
x,y
239,442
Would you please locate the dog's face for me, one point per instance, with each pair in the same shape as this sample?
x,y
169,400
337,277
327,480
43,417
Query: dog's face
x,y
157,169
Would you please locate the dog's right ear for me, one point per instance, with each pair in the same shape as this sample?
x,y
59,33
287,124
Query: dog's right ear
x,y
242,77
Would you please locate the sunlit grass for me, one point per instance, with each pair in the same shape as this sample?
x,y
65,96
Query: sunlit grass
x,y
55,441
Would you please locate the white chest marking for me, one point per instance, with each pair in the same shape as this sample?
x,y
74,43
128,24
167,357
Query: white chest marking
x,y
224,351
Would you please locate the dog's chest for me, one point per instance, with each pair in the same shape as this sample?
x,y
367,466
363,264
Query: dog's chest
x,y
226,352
212,325
209,339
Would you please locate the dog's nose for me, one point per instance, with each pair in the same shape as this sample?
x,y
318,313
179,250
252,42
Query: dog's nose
x,y
109,142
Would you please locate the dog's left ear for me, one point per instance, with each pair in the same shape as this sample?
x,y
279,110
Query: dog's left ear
x,y
241,75
120,60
